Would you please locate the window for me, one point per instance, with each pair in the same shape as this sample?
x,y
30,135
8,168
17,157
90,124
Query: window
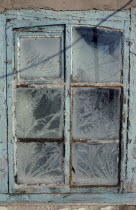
x,y
66,113
96,94
39,106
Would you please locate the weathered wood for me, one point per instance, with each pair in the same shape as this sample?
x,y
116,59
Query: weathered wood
x,y
10,103
3,109
116,21
67,103
112,199
81,15
115,199
118,25
124,119
131,147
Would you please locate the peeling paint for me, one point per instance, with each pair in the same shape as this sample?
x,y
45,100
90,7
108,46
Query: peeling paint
x,y
118,21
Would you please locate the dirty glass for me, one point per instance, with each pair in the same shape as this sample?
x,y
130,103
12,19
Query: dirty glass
x,y
39,113
40,57
96,55
96,113
40,163
95,163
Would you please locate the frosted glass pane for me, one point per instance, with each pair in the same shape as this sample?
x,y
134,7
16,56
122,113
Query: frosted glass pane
x,y
95,164
96,113
39,113
40,163
96,55
40,58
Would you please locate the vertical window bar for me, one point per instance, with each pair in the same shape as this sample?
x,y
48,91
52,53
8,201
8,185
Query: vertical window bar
x,y
125,108
10,66
68,65
3,109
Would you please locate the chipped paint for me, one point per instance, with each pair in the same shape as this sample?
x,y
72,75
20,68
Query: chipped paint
x,y
117,21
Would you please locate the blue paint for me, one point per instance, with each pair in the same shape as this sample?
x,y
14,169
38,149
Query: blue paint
x,y
32,21
3,110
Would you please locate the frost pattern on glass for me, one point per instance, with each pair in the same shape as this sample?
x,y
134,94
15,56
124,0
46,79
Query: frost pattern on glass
x,y
96,54
95,164
40,163
96,113
39,113
40,58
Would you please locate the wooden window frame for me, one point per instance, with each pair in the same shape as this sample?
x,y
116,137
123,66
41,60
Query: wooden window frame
x,y
11,20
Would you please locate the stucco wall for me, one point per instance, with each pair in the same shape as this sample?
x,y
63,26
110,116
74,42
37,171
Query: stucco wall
x,y
64,207
67,4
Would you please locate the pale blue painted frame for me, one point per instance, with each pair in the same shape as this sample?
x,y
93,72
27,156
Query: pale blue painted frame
x,y
3,109
130,185
115,20
115,25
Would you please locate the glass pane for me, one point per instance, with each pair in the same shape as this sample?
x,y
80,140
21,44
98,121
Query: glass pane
x,y
40,57
40,163
39,113
96,113
97,55
95,164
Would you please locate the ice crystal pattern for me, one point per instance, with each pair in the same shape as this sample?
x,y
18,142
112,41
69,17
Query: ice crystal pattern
x,y
40,57
95,164
40,163
39,113
96,113
97,55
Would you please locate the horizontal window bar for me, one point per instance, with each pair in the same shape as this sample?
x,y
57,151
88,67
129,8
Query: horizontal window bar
x,y
96,141
29,140
110,84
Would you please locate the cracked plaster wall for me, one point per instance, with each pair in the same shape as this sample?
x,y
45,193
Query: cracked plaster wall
x,y
66,4
65,207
